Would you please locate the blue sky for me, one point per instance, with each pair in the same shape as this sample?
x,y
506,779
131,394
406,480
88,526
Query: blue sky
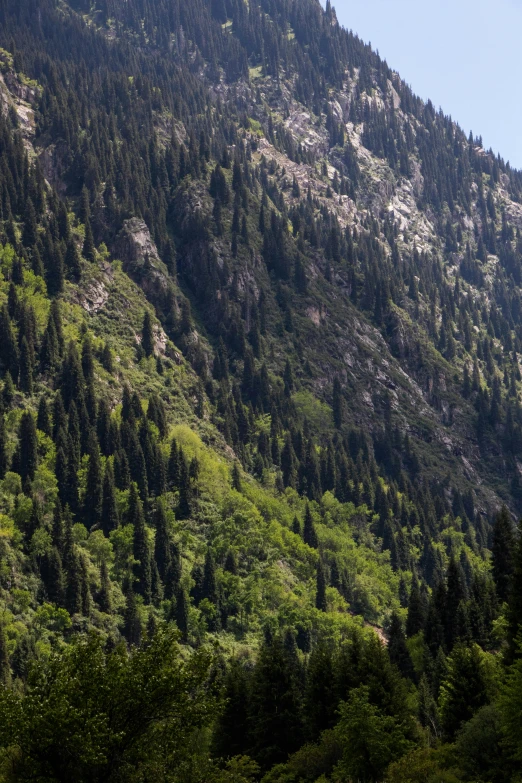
x,y
465,55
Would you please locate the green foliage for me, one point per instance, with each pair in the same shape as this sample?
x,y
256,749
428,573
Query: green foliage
x,y
371,740
65,725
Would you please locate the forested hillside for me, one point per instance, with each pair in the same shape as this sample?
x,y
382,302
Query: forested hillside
x,y
260,418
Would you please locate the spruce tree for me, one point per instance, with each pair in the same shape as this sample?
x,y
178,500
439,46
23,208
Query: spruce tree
x,y
26,368
43,421
72,261
53,577
320,593
27,447
320,699
141,549
94,486
514,613
236,477
5,670
89,251
502,550
109,509
132,628
181,614
309,534
398,649
162,544
276,729
231,736
416,610
147,335
104,595
3,447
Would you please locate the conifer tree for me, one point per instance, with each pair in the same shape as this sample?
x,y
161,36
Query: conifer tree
x,y
147,335
398,649
181,614
104,596
231,736
72,261
109,509
309,534
26,368
53,577
141,549
28,447
132,628
8,391
236,477
89,251
162,544
94,486
43,421
57,530
320,700
320,594
416,610
3,447
276,729
514,613
502,553
5,671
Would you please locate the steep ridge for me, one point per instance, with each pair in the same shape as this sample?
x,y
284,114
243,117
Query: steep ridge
x,y
260,345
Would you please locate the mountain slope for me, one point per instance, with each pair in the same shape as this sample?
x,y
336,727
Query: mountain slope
x,y
260,358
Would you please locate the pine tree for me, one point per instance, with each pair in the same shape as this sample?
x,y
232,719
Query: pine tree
x,y
416,610
93,487
181,614
132,628
3,447
320,594
236,477
231,736
26,368
464,689
141,549
162,543
5,670
53,577
502,550
43,421
398,649
89,251
72,261
109,509
28,447
276,729
309,534
8,391
320,698
147,335
514,613
104,596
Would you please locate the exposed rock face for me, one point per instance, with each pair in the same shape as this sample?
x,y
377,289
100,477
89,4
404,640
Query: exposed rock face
x,y
141,261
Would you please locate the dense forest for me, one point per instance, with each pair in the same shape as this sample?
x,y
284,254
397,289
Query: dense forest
x,y
260,407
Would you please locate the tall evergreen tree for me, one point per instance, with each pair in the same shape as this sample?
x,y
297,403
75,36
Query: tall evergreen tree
x,y
141,548
502,552
27,447
147,335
